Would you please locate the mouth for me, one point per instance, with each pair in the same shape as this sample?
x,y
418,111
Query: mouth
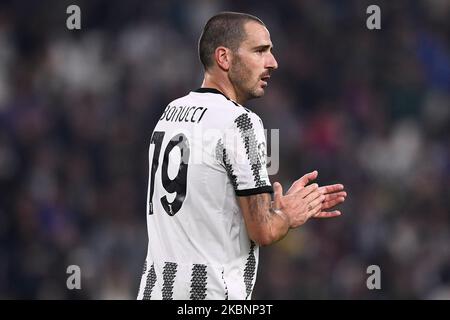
x,y
265,79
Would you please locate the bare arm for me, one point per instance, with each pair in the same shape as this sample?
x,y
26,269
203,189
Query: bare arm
x,y
269,221
265,224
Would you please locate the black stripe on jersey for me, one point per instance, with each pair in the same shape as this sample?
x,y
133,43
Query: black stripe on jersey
x,y
169,273
198,282
222,156
245,126
249,271
150,282
225,285
251,192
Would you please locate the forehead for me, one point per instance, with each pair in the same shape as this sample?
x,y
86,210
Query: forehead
x,y
256,35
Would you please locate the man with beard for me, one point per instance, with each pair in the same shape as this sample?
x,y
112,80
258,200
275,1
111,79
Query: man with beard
x,y
209,203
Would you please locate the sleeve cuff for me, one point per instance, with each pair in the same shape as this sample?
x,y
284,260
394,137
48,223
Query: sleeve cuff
x,y
250,192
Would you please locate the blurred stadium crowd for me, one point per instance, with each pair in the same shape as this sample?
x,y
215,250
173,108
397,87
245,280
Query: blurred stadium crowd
x,y
369,109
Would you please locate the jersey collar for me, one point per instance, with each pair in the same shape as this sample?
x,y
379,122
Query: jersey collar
x,y
213,90
209,90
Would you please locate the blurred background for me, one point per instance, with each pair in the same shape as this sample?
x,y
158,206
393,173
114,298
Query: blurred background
x,y
369,109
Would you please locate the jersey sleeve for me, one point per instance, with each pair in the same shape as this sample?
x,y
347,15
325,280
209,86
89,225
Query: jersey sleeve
x,y
242,151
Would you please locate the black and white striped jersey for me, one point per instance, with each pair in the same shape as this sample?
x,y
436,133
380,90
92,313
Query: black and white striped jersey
x,y
204,150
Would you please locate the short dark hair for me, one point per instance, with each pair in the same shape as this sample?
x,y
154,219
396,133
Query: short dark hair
x,y
224,29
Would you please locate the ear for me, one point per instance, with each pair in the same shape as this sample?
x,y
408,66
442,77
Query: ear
x,y
222,56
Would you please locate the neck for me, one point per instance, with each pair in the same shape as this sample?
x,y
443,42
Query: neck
x,y
223,85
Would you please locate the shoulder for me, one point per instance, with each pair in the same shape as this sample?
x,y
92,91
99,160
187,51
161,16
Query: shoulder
x,y
242,118
180,101
221,112
221,108
246,119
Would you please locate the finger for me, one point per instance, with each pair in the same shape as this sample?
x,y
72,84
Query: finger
x,y
315,202
332,188
278,193
303,181
314,211
307,190
326,214
310,197
332,196
332,203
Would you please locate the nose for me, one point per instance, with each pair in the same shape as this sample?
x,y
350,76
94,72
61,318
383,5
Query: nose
x,y
272,62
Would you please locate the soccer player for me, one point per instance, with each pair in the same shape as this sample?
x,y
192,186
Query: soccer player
x,y
209,203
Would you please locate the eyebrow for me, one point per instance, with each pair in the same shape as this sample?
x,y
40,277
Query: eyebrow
x,y
264,46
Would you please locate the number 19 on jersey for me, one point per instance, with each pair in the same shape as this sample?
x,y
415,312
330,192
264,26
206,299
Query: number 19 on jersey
x,y
177,185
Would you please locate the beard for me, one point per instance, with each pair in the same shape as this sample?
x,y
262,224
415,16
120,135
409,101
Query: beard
x,y
244,83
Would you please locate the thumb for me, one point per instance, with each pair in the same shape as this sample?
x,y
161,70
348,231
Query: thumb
x,y
278,193
309,177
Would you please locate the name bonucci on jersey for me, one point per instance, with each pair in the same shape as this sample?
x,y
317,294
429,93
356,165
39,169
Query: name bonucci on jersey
x,y
204,151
